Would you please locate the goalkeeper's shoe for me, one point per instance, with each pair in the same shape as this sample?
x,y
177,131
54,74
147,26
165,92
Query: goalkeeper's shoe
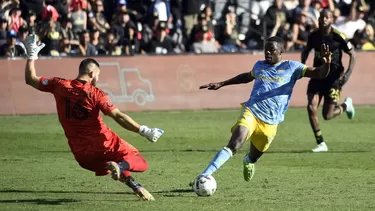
x,y
248,170
140,191
143,194
115,170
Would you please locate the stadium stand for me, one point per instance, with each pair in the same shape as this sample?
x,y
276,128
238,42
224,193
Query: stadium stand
x,y
136,27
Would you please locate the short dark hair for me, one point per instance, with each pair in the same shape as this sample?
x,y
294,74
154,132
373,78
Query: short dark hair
x,y
280,41
325,10
83,66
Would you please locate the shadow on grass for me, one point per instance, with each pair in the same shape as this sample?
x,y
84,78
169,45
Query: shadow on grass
x,y
164,193
175,193
40,201
64,192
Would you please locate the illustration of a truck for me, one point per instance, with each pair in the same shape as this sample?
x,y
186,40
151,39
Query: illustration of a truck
x,y
125,85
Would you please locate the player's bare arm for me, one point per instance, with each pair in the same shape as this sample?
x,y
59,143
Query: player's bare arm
x,y
306,51
242,78
124,120
345,76
322,71
30,74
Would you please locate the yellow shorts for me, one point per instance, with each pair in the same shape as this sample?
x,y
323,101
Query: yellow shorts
x,y
260,133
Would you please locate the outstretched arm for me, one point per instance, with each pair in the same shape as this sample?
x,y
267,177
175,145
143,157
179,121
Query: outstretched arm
x,y
322,71
239,79
242,78
124,120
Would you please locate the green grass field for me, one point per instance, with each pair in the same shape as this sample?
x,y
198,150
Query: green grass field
x,y
38,172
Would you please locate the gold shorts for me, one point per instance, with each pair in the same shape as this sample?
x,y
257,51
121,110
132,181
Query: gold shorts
x,y
260,133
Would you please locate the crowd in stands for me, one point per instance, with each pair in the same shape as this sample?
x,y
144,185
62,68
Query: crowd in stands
x,y
133,27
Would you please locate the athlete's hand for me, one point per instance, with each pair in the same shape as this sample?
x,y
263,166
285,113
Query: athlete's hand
x,y
326,54
32,47
152,134
212,86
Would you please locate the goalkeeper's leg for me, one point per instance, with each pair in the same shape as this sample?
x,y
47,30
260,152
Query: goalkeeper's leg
x,y
127,179
128,159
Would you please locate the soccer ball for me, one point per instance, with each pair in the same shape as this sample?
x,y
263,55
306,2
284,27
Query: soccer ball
x,y
204,185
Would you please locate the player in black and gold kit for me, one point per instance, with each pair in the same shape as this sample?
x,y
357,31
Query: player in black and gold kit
x,y
330,87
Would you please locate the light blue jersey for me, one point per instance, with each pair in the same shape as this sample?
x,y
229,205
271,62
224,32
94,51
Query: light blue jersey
x,y
273,86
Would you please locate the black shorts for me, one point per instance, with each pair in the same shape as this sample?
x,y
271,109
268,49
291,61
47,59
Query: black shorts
x,y
331,91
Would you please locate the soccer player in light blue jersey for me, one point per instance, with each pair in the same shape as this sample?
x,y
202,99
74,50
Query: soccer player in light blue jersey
x,y
274,80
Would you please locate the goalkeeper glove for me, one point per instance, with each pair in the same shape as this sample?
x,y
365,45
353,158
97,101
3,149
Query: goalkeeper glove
x,y
152,134
32,48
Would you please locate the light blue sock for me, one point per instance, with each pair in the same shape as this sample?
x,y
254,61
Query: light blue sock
x,y
220,158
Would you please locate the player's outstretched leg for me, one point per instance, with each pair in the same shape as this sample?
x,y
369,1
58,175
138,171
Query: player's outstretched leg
x,y
133,164
238,138
121,171
140,191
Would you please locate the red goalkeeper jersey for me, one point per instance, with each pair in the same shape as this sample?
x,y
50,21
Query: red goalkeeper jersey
x,y
78,105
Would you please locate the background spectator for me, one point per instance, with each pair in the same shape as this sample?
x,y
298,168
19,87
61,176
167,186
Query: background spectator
x,y
97,19
350,24
15,21
161,43
10,49
126,32
228,37
3,31
78,16
203,37
301,30
112,49
277,14
86,48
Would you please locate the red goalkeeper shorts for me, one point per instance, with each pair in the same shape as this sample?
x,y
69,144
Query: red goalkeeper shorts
x,y
96,159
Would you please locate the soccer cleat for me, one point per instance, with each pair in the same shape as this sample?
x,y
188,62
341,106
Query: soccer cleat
x,y
115,170
322,147
248,170
350,111
143,194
